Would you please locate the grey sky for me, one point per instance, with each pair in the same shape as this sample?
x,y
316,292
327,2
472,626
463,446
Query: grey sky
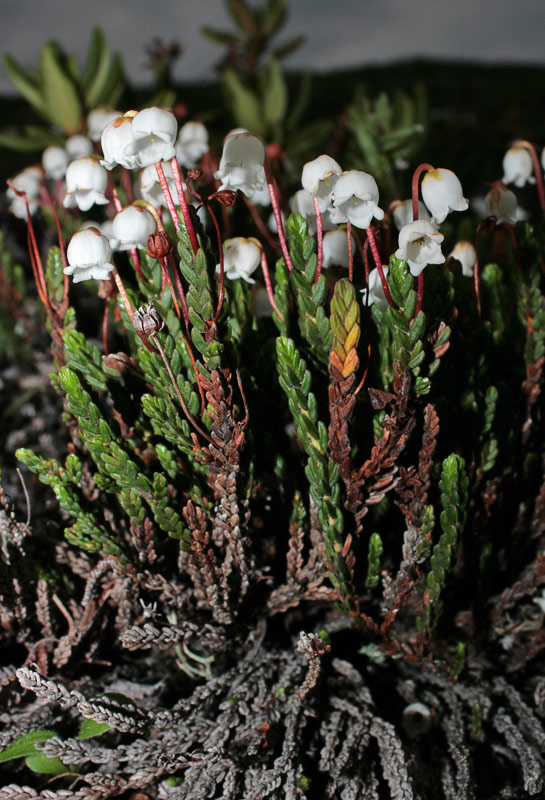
x,y
341,33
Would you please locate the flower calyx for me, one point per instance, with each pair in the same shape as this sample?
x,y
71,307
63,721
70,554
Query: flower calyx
x,y
159,245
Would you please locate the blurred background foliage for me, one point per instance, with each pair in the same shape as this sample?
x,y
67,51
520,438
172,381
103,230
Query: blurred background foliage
x,y
378,117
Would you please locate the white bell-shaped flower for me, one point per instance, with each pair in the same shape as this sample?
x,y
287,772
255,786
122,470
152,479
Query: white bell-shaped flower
x,y
501,202
116,137
131,228
241,165
153,134
78,146
420,245
518,167
89,256
319,177
376,290
191,144
86,182
442,192
356,198
302,203
97,120
403,213
465,253
241,257
55,162
150,186
335,249
28,181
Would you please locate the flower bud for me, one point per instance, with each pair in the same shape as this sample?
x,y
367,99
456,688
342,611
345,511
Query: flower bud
x,y
147,321
159,245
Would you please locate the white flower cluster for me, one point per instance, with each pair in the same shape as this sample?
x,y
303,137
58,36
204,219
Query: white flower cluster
x,y
353,196
350,196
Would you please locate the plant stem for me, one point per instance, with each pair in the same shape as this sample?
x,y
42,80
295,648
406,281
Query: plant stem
x,y
378,263
319,237
416,175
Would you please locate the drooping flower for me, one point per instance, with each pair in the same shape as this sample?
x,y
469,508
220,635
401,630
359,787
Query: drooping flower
x,y
55,162
420,245
518,167
335,249
89,256
28,181
302,203
86,182
356,198
241,165
116,137
319,178
442,192
376,290
241,257
501,202
131,228
465,253
78,146
150,186
403,213
191,144
153,136
97,120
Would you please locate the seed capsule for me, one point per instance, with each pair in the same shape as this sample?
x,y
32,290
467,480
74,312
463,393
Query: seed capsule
x,y
159,245
147,321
